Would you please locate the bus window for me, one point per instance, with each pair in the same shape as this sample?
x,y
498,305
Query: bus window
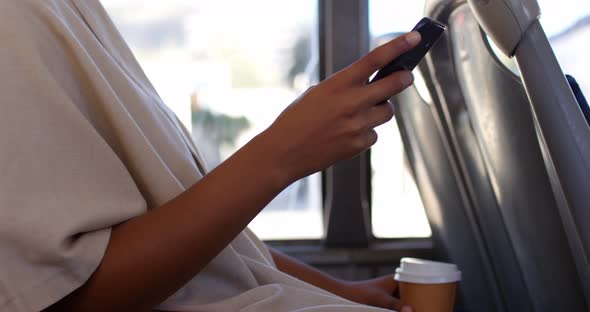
x,y
227,69
567,24
397,209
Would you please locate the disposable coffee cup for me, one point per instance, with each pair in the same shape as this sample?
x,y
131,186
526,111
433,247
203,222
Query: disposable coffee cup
x,y
427,286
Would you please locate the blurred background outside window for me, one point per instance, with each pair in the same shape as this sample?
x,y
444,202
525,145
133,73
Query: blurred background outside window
x,y
397,209
228,73
567,25
227,69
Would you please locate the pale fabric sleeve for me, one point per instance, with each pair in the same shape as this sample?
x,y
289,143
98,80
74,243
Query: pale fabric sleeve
x,y
84,145
61,186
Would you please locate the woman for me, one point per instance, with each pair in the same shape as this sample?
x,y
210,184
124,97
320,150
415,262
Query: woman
x,y
105,204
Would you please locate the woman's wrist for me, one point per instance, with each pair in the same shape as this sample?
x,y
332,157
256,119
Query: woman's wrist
x,y
341,288
267,150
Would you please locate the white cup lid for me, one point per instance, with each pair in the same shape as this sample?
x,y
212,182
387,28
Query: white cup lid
x,y
421,271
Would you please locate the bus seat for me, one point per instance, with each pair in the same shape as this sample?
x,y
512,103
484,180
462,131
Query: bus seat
x,y
584,107
490,142
562,130
454,239
504,125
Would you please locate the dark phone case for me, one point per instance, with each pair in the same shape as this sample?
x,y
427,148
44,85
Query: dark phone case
x,y
431,31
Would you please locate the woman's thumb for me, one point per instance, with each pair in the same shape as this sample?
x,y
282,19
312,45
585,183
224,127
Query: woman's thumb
x,y
406,309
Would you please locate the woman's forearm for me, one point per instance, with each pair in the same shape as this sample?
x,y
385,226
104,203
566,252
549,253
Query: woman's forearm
x,y
149,257
306,273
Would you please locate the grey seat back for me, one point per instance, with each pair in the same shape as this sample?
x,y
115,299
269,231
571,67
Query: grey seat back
x,y
565,140
489,140
563,132
444,198
503,123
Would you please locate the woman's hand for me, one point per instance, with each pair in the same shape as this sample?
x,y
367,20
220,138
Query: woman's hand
x,y
377,292
335,120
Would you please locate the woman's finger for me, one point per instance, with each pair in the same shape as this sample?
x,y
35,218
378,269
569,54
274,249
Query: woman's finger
x,y
376,116
362,69
391,303
406,309
387,87
387,282
366,139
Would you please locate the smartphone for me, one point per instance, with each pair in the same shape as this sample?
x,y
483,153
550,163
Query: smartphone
x,y
431,32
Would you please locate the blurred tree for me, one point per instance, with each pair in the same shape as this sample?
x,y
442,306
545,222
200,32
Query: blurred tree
x,y
300,55
221,128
